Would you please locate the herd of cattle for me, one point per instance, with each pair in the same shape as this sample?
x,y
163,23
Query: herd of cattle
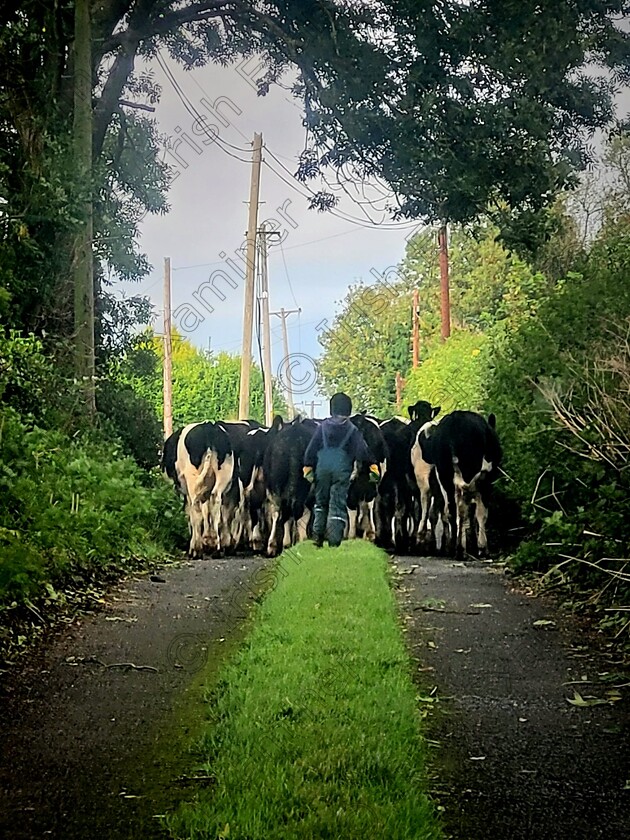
x,y
243,485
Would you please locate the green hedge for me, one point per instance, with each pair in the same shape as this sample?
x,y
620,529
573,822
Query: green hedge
x,y
575,504
72,504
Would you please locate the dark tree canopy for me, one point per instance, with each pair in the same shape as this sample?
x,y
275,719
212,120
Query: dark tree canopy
x,y
462,107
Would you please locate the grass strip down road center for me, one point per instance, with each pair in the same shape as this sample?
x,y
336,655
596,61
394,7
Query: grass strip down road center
x,y
315,730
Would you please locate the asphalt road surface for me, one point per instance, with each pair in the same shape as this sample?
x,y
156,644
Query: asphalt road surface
x,y
515,758
96,728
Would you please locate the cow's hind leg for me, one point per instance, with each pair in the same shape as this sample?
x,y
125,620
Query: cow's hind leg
x,y
463,522
196,522
481,515
302,525
352,524
272,549
367,521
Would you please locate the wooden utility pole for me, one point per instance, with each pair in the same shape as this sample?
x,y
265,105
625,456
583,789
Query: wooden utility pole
x,y
444,282
415,341
312,404
266,334
168,352
82,258
400,384
283,315
250,280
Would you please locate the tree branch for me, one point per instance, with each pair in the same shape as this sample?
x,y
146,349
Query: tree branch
x,y
108,102
163,25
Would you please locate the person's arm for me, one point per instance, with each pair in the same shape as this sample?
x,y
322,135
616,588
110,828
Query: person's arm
x,y
362,454
310,456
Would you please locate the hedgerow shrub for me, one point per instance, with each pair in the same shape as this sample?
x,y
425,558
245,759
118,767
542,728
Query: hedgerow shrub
x,y
72,504
25,374
574,499
132,419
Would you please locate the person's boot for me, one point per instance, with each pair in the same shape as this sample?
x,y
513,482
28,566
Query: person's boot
x,y
336,528
318,541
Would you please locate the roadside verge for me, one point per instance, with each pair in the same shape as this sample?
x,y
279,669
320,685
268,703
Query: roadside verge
x,y
314,728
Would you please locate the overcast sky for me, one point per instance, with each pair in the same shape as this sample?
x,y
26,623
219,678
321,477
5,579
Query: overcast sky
x,y
321,254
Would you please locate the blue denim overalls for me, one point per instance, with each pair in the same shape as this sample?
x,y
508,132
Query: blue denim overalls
x,y
332,480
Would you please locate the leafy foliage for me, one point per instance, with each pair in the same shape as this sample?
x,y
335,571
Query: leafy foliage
x,y
205,386
453,375
74,504
370,337
553,380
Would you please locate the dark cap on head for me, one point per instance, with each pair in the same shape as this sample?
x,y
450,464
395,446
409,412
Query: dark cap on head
x,y
341,405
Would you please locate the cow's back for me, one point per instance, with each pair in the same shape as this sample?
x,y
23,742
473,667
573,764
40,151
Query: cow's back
x,y
467,440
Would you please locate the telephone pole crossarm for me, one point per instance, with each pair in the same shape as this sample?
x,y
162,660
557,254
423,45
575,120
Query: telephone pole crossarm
x,y
283,314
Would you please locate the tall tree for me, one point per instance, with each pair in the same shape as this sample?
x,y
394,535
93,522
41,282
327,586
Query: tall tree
x,y
459,106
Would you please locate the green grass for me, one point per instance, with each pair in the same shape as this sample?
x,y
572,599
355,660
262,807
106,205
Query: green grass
x,y
315,729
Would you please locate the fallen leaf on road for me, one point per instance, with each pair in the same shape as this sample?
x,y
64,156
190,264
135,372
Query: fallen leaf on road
x,y
477,757
481,606
578,700
544,622
119,618
431,645
461,650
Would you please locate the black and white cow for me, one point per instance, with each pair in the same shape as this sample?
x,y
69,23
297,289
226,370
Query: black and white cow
x,y
362,492
200,460
397,508
234,507
252,474
169,458
465,453
287,489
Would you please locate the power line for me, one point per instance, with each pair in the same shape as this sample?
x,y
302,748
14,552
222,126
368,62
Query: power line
x,y
286,271
334,212
293,184
193,111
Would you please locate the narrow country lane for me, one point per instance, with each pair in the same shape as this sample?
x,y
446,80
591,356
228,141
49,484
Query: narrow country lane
x,y
516,760
95,732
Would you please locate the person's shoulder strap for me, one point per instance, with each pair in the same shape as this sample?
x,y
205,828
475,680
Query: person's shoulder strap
x,y
348,434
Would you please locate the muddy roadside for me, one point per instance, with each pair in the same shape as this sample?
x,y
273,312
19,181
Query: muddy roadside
x,y
514,758
97,724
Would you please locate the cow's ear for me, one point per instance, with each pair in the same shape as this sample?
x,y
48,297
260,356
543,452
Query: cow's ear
x,y
492,421
435,411
410,409
277,423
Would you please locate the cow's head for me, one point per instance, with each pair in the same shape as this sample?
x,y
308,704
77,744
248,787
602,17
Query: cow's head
x,y
423,411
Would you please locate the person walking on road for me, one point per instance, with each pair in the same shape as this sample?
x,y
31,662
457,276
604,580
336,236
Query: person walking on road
x,y
328,461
